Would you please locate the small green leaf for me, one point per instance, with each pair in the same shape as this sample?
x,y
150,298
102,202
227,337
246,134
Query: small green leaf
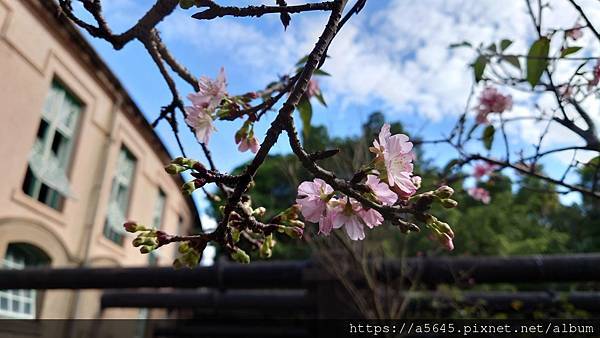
x,y
320,98
513,60
479,67
488,136
302,60
321,72
305,109
569,51
492,48
505,43
537,60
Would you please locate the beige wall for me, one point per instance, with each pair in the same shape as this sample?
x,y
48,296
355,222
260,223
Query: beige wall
x,y
32,54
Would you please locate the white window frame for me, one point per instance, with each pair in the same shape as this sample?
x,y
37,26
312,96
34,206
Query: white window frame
x,y
17,298
61,115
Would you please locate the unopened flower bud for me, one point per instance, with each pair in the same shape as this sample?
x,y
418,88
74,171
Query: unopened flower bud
x,y
235,234
444,228
296,223
147,249
446,241
240,256
293,231
429,219
133,227
183,248
449,203
239,136
259,212
191,258
140,241
174,169
247,209
294,211
444,192
188,188
265,250
270,240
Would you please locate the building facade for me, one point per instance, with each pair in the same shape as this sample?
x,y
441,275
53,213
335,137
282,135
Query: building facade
x,y
78,158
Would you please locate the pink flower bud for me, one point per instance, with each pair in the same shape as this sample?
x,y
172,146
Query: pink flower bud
x,y
446,241
313,88
130,226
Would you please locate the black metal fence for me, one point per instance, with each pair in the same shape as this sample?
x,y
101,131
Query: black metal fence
x,y
305,289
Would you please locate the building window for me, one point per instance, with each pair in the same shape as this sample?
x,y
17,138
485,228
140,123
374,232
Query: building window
x,y
157,217
20,304
159,209
46,178
119,196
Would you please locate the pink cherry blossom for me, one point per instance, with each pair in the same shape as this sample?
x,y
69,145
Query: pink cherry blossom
x,y
313,88
211,92
396,151
492,101
353,217
347,217
249,143
201,121
480,194
483,169
370,217
381,190
574,33
326,222
204,103
312,198
406,185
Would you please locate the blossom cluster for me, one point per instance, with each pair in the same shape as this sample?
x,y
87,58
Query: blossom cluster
x,y
201,113
492,101
479,171
211,102
390,179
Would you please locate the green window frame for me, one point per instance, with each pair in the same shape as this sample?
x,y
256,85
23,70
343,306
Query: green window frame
x,y
46,178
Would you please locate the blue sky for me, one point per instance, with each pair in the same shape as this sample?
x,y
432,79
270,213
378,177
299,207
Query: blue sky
x,y
393,57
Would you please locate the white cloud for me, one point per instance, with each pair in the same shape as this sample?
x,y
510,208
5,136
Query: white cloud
x,y
394,56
